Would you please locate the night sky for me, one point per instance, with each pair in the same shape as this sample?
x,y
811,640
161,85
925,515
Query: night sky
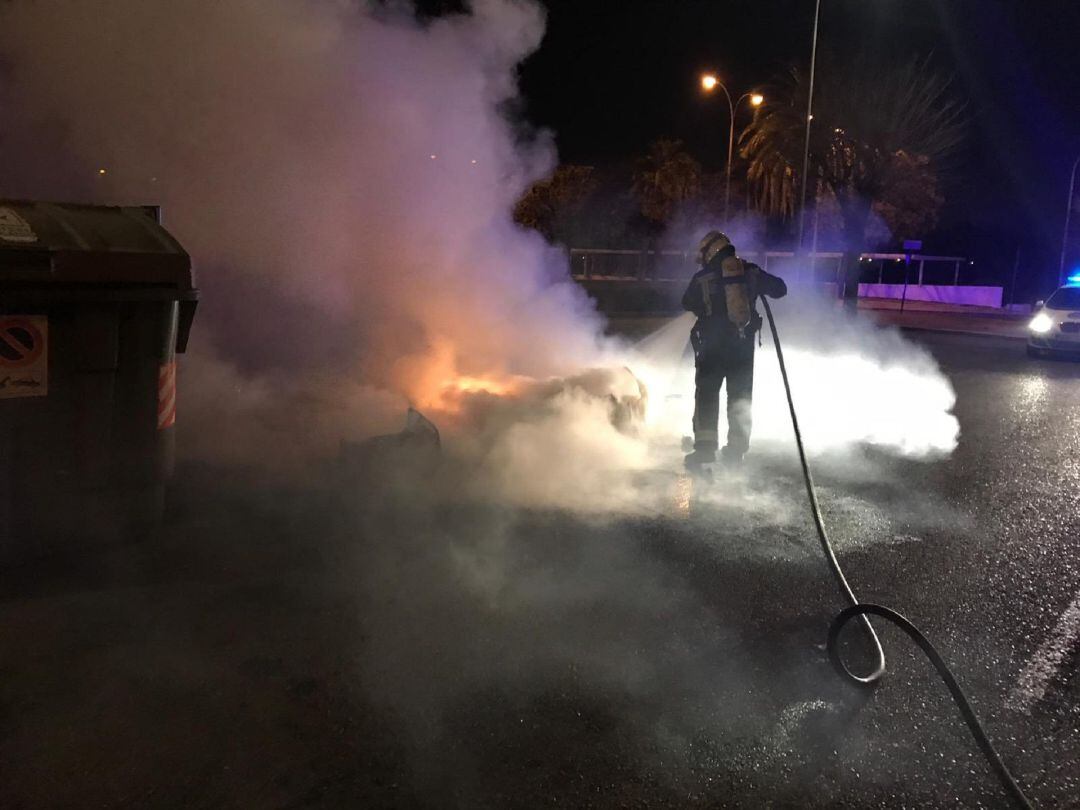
x,y
610,77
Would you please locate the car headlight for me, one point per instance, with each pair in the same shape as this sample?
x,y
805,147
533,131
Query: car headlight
x,y
1041,324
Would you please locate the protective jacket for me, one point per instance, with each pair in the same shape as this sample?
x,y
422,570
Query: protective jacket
x,y
723,295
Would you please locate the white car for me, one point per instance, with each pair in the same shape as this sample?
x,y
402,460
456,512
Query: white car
x,y
1056,324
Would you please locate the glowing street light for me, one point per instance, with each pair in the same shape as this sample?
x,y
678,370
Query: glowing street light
x,y
709,82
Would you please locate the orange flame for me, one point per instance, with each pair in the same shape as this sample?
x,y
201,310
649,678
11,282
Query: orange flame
x,y
435,383
450,395
486,385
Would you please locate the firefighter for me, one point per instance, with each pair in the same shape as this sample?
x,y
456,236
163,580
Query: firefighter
x,y
723,294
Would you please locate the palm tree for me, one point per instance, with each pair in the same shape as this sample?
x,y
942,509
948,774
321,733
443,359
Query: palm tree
x,y
553,206
667,176
879,139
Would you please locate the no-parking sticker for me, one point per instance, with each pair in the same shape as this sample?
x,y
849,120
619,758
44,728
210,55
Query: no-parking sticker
x,y
24,356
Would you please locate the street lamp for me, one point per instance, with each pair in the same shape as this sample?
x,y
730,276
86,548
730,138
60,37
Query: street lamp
x,y
710,82
1068,216
806,140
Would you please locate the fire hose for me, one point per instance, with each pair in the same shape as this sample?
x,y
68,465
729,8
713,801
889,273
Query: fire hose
x,y
862,610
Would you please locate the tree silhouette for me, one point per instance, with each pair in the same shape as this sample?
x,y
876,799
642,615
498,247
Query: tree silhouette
x,y
879,139
554,206
667,176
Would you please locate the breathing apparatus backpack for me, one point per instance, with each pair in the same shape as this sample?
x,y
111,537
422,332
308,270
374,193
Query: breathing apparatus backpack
x,y
738,279
717,331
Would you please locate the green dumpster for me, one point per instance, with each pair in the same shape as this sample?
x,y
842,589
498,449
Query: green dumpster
x,y
95,304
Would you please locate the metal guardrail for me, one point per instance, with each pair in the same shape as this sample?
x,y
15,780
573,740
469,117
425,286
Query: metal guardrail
x,y
677,266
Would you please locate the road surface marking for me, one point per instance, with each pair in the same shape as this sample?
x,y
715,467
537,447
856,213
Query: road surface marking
x,y
1035,678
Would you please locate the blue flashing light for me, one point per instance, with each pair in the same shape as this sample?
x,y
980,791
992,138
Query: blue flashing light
x,y
1073,280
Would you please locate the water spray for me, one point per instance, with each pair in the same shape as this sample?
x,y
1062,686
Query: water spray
x,y
861,610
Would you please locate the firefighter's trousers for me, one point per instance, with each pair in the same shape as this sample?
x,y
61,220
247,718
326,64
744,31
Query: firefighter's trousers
x,y
733,362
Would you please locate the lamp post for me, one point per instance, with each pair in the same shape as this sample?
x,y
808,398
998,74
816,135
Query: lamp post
x,y
710,82
809,118
1068,216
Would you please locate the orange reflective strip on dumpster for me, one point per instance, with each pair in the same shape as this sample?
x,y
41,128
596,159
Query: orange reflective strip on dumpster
x,y
166,407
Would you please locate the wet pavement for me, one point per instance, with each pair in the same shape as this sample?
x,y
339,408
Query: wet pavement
x,y
359,643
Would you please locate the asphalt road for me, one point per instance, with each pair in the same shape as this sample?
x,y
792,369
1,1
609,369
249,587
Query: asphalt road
x,y
358,643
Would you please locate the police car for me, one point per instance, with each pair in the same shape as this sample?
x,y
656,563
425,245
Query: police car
x,y
1056,324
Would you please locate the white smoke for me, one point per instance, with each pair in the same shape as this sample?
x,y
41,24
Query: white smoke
x,y
853,384
343,177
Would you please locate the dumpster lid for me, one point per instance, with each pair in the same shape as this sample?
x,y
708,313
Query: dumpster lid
x,y
63,242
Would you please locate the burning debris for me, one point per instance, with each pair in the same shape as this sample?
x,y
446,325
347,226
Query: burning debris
x,y
626,395
417,446
510,437
475,399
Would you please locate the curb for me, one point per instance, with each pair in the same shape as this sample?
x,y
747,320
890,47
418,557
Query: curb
x,y
946,331
940,330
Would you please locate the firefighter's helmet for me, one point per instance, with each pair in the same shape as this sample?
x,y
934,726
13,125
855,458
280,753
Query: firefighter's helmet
x,y
710,245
